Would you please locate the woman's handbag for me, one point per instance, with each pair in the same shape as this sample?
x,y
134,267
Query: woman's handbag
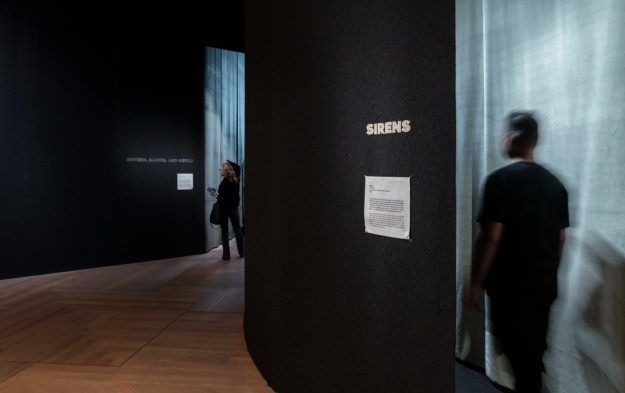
x,y
214,217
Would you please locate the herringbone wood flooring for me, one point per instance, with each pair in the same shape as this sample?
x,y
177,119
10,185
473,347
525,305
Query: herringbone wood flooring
x,y
162,326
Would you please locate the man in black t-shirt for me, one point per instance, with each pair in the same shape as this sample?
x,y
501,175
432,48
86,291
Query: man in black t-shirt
x,y
523,217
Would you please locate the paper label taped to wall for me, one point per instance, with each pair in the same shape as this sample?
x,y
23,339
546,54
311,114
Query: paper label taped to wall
x,y
387,206
185,181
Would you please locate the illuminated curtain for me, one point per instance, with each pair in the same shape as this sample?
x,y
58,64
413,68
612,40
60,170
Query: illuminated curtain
x,y
564,59
224,105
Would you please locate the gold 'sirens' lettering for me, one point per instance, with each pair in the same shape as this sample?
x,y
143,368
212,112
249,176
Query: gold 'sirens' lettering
x,y
390,127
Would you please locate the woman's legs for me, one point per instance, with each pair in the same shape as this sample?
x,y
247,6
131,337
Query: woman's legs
x,y
224,238
236,226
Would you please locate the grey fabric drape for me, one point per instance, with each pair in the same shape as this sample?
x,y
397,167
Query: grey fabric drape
x,y
565,60
224,105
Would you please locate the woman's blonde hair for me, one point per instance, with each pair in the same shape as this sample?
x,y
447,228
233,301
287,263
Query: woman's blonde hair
x,y
229,173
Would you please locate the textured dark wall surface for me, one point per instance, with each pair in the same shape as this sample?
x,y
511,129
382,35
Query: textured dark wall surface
x,y
83,87
328,307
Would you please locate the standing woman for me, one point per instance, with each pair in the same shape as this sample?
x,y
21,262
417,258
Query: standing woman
x,y
228,200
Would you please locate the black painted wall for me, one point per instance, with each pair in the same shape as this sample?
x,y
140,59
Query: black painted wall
x,y
83,86
328,307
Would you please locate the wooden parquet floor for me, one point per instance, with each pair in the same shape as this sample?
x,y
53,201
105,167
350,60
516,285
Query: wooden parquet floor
x,y
173,325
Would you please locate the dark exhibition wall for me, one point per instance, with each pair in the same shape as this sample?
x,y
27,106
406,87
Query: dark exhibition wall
x,y
330,308
93,98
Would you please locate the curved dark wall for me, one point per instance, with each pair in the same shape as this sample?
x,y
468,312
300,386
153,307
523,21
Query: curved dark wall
x,y
83,87
328,307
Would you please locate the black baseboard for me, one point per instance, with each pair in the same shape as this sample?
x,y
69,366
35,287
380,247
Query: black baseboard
x,y
481,370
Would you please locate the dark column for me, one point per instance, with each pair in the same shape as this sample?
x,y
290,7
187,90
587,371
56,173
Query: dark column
x,y
328,307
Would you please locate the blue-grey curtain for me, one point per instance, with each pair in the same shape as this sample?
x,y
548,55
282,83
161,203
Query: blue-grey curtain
x,y
565,59
224,105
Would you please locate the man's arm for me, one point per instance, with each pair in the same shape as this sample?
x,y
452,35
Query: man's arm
x,y
486,247
562,239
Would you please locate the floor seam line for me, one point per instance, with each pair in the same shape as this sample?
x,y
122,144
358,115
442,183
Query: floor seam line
x,y
153,338
15,373
172,322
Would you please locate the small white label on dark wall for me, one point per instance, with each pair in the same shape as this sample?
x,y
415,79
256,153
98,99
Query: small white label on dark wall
x,y
185,181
